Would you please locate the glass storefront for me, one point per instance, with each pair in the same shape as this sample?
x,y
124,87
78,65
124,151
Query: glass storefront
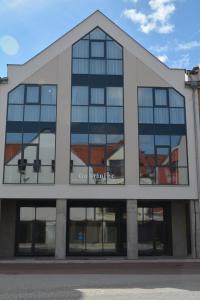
x,y
154,229
36,230
96,229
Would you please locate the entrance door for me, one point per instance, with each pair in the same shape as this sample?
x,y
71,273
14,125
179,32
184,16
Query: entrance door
x,y
154,229
35,230
96,230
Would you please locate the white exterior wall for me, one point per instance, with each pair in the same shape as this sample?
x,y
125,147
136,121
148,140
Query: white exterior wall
x,y
53,66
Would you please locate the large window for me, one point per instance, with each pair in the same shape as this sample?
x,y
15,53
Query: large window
x,y
30,135
97,53
97,117
162,137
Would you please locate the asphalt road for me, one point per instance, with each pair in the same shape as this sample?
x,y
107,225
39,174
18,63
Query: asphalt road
x,y
174,281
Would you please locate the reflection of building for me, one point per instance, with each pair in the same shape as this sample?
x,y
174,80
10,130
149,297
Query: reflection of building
x,y
99,156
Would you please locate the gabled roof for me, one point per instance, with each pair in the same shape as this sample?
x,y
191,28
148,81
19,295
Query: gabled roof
x,y
64,42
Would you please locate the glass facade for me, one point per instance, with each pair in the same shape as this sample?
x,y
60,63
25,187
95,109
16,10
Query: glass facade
x,y
162,137
96,229
97,117
30,135
36,229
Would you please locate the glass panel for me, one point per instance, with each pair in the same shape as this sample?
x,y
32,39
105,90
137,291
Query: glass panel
x,y
97,49
97,114
114,115
13,148
161,97
79,114
114,67
48,113
48,94
77,213
113,50
11,174
145,97
77,237
115,173
29,176
30,138
114,96
158,214
178,151
32,94
115,139
146,115
46,175
97,34
97,155
27,213
79,150
175,99
177,116
79,175
30,153
80,95
161,115
162,156
25,237
81,49
162,140
32,113
16,96
44,236
180,176
109,237
97,139
94,236
15,112
97,66
163,175
97,96
94,213
97,175
147,159
46,213
80,66
47,148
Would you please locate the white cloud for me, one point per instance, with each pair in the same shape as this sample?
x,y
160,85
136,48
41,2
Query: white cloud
x,y
163,58
159,49
9,45
183,62
157,20
188,45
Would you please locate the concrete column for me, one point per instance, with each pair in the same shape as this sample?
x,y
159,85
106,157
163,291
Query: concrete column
x,y
61,228
7,228
195,228
179,231
132,230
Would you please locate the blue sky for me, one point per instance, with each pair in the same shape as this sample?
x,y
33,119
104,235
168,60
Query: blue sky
x,y
170,29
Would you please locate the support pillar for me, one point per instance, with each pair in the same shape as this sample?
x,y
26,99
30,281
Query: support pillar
x,y
195,228
132,230
61,228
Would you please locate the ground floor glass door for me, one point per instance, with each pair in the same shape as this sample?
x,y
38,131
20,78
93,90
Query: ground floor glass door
x,y
154,229
35,230
96,230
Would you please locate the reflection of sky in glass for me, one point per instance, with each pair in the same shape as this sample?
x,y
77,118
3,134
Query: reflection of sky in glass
x,y
162,140
29,137
114,138
97,139
14,138
147,144
79,139
176,140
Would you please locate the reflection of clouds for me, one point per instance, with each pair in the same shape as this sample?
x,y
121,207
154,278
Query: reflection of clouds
x,y
9,45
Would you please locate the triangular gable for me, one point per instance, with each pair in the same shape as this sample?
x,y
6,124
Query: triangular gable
x,y
21,72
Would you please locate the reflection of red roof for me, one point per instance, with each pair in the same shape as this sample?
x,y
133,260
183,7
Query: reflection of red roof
x,y
11,151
